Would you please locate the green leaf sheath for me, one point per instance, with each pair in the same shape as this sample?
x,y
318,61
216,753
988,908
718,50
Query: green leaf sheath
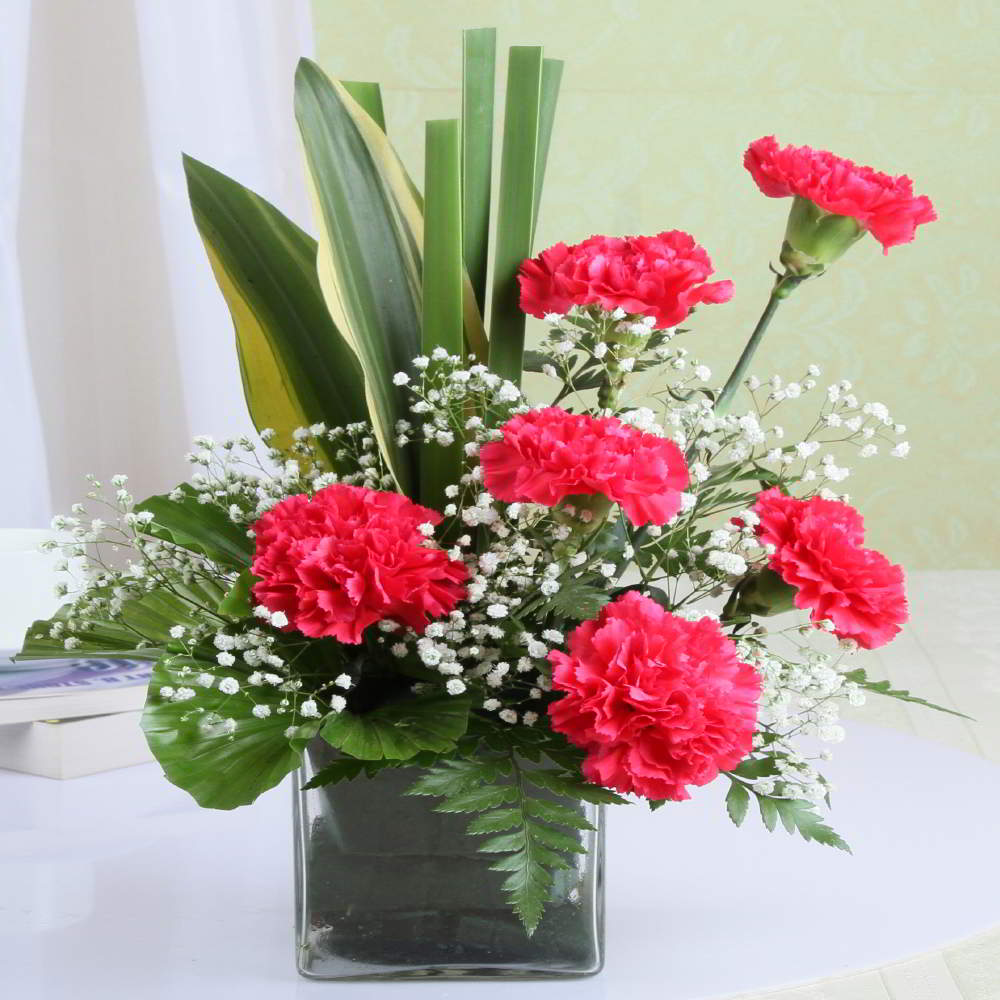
x,y
443,286
516,207
860,678
197,753
296,366
369,96
369,249
552,70
478,84
402,729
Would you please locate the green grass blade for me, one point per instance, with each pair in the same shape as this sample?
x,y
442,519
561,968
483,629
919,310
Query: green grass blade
x,y
369,96
368,261
479,52
515,208
443,281
552,70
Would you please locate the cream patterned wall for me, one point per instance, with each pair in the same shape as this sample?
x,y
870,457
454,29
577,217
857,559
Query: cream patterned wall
x,y
658,103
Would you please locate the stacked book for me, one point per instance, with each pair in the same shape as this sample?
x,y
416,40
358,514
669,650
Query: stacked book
x,y
66,718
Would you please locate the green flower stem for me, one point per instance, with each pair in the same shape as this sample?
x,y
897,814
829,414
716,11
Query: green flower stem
x,y
783,287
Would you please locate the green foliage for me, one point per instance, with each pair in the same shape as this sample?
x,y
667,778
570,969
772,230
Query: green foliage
x,y
221,770
349,768
369,97
198,527
860,678
796,815
577,600
237,603
443,281
533,834
570,786
737,802
552,70
297,369
516,207
401,729
478,83
369,249
139,632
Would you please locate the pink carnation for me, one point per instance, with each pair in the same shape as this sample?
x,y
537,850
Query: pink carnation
x,y
657,702
662,276
549,454
818,550
347,557
882,204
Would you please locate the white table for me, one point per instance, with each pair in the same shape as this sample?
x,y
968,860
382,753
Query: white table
x,y
117,885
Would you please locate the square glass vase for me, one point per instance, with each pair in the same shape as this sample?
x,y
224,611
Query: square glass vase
x,y
387,888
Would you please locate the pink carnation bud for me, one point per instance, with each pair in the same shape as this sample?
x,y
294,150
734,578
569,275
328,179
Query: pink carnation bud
x,y
836,190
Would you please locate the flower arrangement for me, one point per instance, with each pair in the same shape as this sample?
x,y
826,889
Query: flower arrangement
x,y
422,567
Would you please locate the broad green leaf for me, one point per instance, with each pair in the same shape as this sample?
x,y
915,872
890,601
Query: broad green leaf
x,y
737,802
860,678
442,293
478,86
140,632
400,729
369,248
516,208
757,767
369,98
200,527
297,368
237,603
191,741
552,70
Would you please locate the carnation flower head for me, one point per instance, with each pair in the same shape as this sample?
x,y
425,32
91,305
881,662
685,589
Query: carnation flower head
x,y
347,557
663,276
881,204
548,454
819,551
658,703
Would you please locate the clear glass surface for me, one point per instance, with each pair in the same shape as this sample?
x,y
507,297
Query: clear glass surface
x,y
386,888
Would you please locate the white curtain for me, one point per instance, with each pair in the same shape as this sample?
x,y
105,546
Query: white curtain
x,y
116,345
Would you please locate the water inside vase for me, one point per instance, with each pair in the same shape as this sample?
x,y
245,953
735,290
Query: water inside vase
x,y
387,888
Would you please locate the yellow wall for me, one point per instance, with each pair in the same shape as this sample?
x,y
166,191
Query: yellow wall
x,y
659,101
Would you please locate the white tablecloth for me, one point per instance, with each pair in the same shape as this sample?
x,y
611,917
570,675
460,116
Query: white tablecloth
x,y
118,885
